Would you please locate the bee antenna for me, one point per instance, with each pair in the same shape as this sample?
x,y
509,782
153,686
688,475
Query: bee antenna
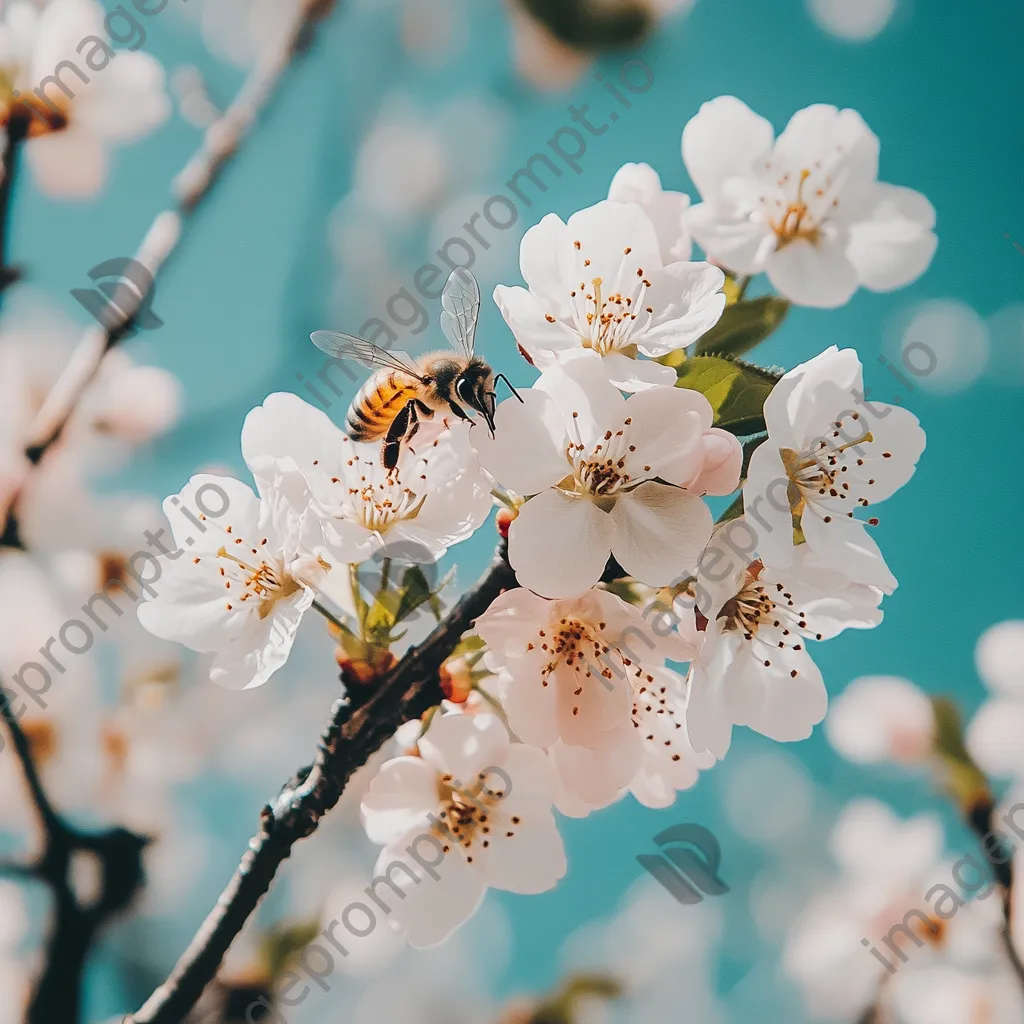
x,y
508,384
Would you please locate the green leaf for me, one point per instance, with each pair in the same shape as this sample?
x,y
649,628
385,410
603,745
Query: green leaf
x,y
416,591
735,389
964,780
383,614
743,325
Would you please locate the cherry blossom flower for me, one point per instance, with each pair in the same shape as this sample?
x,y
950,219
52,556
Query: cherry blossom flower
x,y
807,207
880,719
641,184
113,98
828,453
437,497
753,667
474,807
233,584
597,465
598,282
583,678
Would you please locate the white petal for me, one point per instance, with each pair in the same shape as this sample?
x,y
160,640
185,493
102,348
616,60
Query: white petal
x,y
634,375
999,657
730,236
598,777
666,430
818,274
782,701
71,164
725,138
640,184
660,533
617,239
687,300
399,798
541,339
579,384
529,705
531,860
845,545
559,544
895,244
464,745
438,903
541,262
526,452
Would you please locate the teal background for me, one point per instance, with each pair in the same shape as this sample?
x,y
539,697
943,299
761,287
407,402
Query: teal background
x,y
941,88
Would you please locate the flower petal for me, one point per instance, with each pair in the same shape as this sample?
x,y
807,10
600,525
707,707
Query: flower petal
x,y
399,798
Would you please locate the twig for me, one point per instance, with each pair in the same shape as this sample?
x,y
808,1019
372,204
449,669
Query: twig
x,y
57,995
352,735
191,186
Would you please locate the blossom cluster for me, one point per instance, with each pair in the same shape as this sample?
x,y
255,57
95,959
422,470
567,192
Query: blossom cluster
x,y
572,683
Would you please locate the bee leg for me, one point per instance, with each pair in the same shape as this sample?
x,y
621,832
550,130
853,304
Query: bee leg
x,y
502,376
458,411
417,411
392,446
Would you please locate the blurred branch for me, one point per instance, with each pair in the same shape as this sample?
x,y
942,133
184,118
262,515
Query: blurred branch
x,y
969,787
191,186
352,736
57,995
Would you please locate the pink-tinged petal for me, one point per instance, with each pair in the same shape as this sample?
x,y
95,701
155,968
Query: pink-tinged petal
x,y
464,745
532,781
446,893
720,472
540,337
665,431
895,243
660,533
401,795
814,274
723,139
527,451
597,777
708,717
637,374
783,700
529,705
511,620
530,860
559,544
845,545
593,701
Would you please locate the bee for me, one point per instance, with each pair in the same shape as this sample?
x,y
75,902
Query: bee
x,y
404,390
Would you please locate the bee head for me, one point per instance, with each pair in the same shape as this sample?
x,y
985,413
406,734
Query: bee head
x,y
475,390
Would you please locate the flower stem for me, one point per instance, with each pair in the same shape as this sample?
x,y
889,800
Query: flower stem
x,y
329,615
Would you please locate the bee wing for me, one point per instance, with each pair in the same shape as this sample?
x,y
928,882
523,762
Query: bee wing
x,y
348,346
460,309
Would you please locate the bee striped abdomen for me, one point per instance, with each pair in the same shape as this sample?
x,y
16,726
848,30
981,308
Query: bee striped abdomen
x,y
379,401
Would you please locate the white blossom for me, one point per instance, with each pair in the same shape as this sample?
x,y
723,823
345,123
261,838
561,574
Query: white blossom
x,y
233,584
599,282
808,207
437,497
473,806
829,453
993,736
753,667
604,472
641,184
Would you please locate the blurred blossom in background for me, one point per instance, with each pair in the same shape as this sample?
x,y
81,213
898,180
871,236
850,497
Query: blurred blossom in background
x,y
405,116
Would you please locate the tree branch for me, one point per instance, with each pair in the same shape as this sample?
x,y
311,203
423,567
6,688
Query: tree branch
x,y
57,995
356,730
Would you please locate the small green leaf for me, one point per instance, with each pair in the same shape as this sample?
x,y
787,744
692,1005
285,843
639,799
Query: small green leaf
x,y
961,776
735,389
383,614
743,325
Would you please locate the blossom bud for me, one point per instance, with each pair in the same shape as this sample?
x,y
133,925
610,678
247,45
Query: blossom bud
x,y
456,680
364,671
503,520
